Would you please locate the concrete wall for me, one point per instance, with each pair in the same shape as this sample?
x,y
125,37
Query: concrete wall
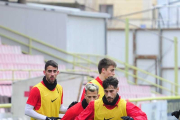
x,y
155,110
39,24
146,43
68,29
86,35
116,45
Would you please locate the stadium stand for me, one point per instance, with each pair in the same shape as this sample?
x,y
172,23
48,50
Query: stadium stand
x,y
17,66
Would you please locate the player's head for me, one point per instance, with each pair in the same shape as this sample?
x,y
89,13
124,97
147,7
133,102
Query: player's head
x,y
111,88
91,92
51,71
106,67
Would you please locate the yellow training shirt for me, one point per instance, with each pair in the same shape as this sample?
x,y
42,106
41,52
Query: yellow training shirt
x,y
101,89
103,113
50,100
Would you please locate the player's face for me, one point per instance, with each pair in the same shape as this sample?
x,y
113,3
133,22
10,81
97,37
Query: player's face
x,y
108,72
90,96
110,93
51,74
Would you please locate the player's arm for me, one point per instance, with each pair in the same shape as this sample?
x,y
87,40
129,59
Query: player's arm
x,y
62,109
29,111
87,113
69,115
135,112
34,96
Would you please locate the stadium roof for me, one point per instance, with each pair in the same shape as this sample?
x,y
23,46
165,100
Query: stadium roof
x,y
67,10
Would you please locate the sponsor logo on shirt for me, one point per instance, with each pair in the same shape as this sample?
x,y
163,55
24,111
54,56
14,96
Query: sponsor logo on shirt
x,y
108,118
53,100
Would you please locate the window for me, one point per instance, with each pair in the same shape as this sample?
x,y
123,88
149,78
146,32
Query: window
x,y
106,9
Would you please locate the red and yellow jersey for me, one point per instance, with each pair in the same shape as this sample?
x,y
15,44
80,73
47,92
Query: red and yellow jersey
x,y
101,89
50,100
74,111
98,82
130,109
101,112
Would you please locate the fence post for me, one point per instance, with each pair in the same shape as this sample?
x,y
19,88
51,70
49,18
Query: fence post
x,y
127,47
176,63
30,41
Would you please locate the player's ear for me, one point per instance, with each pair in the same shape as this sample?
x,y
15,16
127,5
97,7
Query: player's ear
x,y
117,89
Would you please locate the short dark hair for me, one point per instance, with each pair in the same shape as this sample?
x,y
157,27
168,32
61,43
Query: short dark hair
x,y
105,63
110,81
51,63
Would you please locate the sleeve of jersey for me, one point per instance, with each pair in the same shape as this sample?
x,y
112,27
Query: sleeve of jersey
x,y
34,96
135,112
69,115
88,113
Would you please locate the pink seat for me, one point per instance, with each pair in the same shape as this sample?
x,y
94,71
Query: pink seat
x,y
36,74
17,50
6,75
136,89
7,66
127,95
36,66
39,59
146,89
19,75
6,90
124,89
7,49
5,82
2,110
122,80
143,95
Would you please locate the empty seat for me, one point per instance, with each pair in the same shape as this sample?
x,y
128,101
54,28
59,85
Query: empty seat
x,y
124,89
6,90
6,49
122,80
19,75
5,75
127,95
2,110
36,74
5,82
21,58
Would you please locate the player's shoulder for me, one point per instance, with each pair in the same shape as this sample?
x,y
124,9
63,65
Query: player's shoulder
x,y
59,86
75,107
35,89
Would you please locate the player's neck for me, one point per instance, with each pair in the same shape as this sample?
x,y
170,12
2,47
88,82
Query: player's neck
x,y
48,85
102,78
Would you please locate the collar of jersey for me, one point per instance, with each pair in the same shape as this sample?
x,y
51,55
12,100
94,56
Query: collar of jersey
x,y
49,86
